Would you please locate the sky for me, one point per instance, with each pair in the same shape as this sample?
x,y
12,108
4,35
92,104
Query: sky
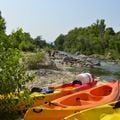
x,y
50,18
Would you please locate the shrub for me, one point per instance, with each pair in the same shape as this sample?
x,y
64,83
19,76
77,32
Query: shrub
x,y
33,60
13,105
12,75
12,78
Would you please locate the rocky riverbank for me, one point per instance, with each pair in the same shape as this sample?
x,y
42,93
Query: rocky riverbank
x,y
56,69
55,74
46,77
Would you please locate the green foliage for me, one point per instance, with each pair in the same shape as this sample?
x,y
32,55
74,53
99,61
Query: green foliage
x,y
39,43
22,40
2,24
47,49
12,77
33,60
94,39
14,105
113,54
12,74
59,42
26,46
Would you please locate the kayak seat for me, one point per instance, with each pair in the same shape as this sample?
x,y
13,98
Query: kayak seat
x,y
89,97
85,96
36,89
76,100
81,99
102,91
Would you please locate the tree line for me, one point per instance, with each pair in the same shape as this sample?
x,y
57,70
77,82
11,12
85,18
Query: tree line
x,y
20,39
93,39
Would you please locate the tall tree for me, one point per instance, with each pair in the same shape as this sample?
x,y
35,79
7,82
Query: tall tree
x,y
39,42
59,42
2,24
101,26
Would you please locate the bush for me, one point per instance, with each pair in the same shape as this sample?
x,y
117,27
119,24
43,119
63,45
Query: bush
x,y
12,78
12,106
33,60
26,46
12,75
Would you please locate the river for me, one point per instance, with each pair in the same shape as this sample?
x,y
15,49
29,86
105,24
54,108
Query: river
x,y
107,70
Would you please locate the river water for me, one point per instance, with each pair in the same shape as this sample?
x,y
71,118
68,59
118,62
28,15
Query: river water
x,y
107,71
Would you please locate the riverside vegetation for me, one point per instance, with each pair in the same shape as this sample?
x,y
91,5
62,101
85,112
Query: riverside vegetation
x,y
95,39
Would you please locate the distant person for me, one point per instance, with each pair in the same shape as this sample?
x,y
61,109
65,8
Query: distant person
x,y
83,78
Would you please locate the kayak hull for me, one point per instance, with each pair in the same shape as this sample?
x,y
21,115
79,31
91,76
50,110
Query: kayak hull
x,y
104,112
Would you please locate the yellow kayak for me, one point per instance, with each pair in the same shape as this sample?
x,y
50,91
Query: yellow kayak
x,y
104,112
40,98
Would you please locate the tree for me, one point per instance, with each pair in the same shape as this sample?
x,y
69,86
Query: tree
x,y
59,42
39,43
12,74
110,31
101,27
22,40
2,24
93,39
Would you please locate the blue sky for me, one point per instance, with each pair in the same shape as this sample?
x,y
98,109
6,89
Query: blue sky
x,y
50,18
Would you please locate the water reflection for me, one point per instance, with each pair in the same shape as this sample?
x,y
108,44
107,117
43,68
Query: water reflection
x,y
109,66
107,71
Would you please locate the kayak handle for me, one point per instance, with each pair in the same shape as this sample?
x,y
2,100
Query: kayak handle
x,y
37,110
51,103
55,104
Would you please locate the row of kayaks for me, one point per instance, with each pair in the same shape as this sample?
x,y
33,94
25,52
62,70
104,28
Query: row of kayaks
x,y
39,96
60,91
77,102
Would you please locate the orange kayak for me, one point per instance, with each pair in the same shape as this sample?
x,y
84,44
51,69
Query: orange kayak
x,y
60,91
64,106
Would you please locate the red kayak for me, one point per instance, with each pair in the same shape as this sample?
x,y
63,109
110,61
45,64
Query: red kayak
x,y
75,87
